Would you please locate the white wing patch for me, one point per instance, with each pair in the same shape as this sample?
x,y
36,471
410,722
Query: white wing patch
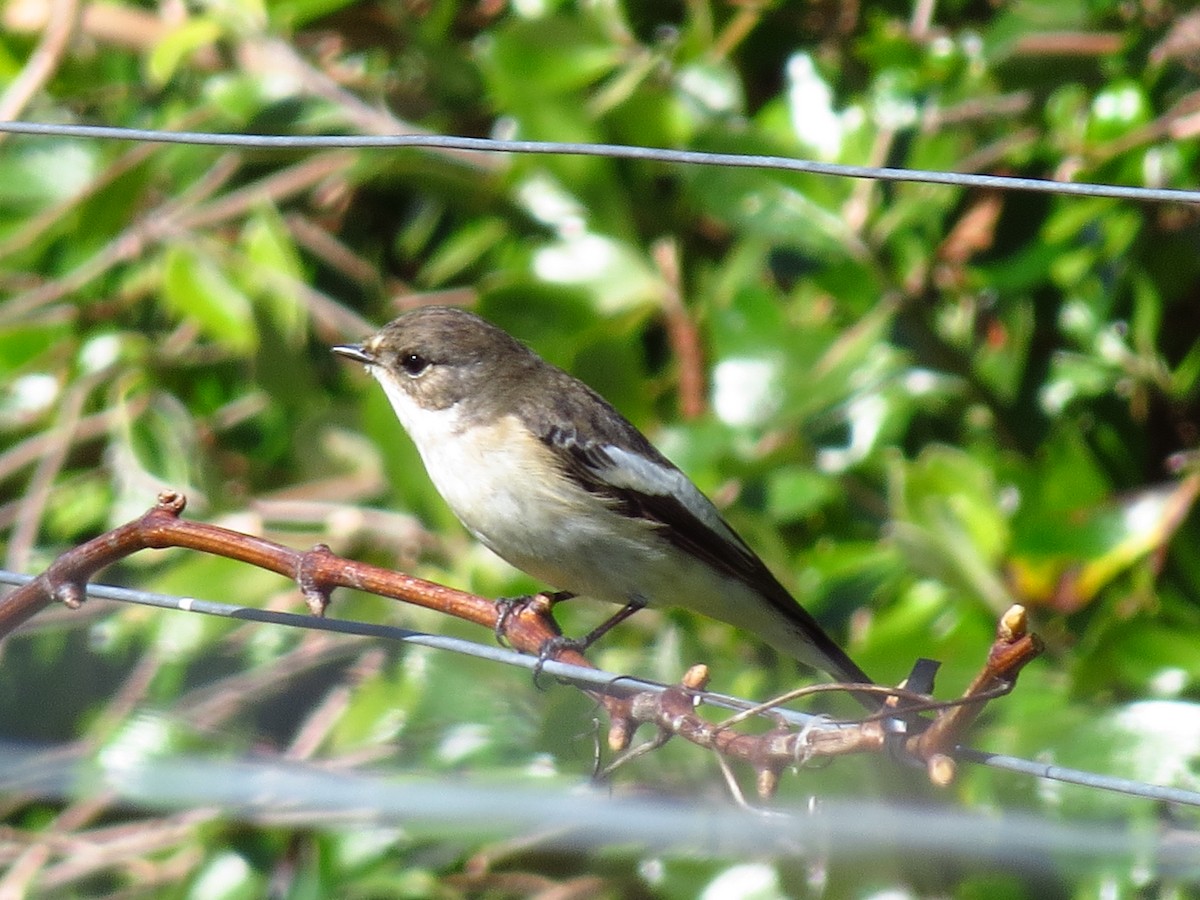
x,y
635,472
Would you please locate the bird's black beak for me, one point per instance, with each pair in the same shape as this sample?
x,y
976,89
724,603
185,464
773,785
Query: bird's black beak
x,y
354,352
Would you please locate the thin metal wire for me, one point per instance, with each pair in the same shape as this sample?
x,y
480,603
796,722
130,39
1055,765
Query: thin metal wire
x,y
595,678
578,675
1076,776
614,151
562,814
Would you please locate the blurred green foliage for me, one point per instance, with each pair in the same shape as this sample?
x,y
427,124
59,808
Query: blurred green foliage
x,y
920,404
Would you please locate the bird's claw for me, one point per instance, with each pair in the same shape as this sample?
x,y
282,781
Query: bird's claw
x,y
549,650
514,606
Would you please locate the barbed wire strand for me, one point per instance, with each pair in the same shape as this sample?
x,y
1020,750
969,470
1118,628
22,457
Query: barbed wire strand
x,y
581,676
612,151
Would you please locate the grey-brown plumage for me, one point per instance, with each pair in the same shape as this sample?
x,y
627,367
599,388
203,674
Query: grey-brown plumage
x,y
545,472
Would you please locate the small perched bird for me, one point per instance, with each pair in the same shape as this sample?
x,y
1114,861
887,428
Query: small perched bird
x,y
549,476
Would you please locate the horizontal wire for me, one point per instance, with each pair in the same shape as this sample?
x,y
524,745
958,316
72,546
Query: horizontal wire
x,y
579,675
582,676
566,815
613,151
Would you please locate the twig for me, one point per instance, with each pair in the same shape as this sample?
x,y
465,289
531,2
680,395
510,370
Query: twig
x,y
919,21
317,725
529,626
56,214
21,874
737,29
576,675
682,332
673,714
37,492
170,220
60,24
1069,43
81,854
1013,648
207,709
276,56
88,428
317,571
332,252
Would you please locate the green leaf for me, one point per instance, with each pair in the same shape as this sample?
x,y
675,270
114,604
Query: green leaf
x,y
33,175
530,60
273,275
195,288
794,492
461,251
178,44
947,518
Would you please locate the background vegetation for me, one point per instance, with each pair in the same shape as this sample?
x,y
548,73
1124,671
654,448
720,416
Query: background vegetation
x,y
919,403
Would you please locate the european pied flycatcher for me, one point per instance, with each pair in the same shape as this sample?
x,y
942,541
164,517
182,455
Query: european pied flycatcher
x,y
548,475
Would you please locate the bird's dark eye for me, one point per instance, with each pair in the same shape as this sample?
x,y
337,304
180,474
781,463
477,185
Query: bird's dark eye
x,y
413,363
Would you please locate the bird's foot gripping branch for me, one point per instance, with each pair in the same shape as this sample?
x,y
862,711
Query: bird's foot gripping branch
x,y
912,724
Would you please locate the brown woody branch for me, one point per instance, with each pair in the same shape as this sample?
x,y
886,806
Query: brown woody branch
x,y
528,627
674,713
317,572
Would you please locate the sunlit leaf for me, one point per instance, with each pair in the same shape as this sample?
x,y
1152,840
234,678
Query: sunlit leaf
x,y
178,44
195,288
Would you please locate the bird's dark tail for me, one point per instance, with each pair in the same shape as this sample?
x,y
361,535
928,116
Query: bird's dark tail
x,y
809,643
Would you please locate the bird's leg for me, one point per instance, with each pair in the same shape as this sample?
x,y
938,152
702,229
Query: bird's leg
x,y
637,603
510,606
551,647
